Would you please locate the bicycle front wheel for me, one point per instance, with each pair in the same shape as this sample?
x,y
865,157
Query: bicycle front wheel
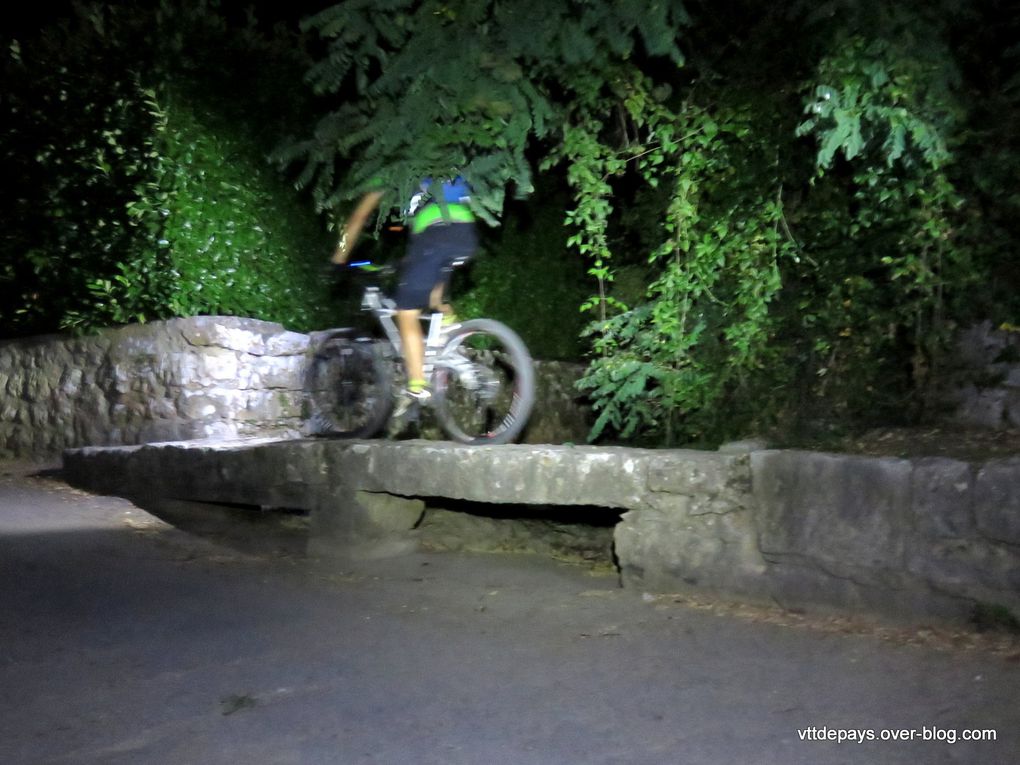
x,y
349,389
484,384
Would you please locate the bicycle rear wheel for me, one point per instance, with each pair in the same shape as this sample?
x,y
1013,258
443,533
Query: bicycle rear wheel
x,y
484,384
349,389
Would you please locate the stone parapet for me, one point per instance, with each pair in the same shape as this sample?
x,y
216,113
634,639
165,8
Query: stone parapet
x,y
207,376
167,380
927,538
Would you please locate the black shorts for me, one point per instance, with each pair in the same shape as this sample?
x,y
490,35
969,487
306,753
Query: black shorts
x,y
430,256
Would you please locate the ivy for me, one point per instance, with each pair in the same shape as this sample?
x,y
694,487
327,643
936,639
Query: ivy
x,y
140,187
704,319
886,105
875,95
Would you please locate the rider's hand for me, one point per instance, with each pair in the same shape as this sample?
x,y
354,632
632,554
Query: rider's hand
x,y
342,249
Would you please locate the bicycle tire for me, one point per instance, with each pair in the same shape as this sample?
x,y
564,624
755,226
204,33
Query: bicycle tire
x,y
348,388
510,369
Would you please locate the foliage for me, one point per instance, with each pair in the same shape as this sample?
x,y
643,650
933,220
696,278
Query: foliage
x,y
889,106
783,209
142,186
717,265
988,160
744,325
74,157
858,262
778,286
878,95
526,277
440,87
475,88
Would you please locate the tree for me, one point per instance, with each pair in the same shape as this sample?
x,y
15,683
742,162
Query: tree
x,y
433,88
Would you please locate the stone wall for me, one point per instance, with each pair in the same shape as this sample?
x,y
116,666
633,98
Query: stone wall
x,y
560,414
982,387
915,539
167,380
928,537
227,376
210,376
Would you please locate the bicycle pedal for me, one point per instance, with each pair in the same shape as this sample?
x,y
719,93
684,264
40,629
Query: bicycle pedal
x,y
406,409
403,422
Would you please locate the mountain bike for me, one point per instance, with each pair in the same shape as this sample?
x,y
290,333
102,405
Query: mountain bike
x,y
479,371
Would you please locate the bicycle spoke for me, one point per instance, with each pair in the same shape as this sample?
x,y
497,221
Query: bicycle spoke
x,y
348,390
486,384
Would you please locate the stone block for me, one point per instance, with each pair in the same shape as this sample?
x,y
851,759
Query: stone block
x,y
286,343
197,406
181,368
669,548
692,472
817,529
942,498
519,474
221,331
279,371
981,407
997,500
218,429
240,335
267,406
388,512
561,414
157,430
70,382
968,567
218,366
846,513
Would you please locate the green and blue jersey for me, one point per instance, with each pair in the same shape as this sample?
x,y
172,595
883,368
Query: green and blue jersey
x,y
426,209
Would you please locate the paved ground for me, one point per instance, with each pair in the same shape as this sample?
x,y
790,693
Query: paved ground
x,y
123,640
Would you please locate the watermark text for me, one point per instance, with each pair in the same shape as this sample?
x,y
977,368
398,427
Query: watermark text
x,y
924,733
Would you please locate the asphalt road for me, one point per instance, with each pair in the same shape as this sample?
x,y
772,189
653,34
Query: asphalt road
x,y
125,640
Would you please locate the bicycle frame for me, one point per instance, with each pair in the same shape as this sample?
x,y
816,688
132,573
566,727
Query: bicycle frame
x,y
384,309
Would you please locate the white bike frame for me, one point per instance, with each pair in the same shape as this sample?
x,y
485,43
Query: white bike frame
x,y
384,309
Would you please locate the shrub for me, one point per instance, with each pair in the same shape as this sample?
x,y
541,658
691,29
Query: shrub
x,y
139,184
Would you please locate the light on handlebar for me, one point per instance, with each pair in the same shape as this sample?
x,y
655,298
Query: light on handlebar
x,y
366,265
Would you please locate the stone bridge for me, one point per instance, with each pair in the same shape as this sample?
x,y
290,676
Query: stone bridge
x,y
931,538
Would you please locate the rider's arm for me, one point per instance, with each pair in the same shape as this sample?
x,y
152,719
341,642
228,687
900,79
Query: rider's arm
x,y
354,225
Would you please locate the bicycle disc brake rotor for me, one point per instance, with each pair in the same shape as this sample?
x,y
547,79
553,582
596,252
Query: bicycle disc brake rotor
x,y
478,393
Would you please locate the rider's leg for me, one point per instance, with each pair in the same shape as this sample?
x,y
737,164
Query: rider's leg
x,y
423,277
413,340
438,302
437,299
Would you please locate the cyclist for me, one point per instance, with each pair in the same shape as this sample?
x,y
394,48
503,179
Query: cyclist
x,y
442,233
